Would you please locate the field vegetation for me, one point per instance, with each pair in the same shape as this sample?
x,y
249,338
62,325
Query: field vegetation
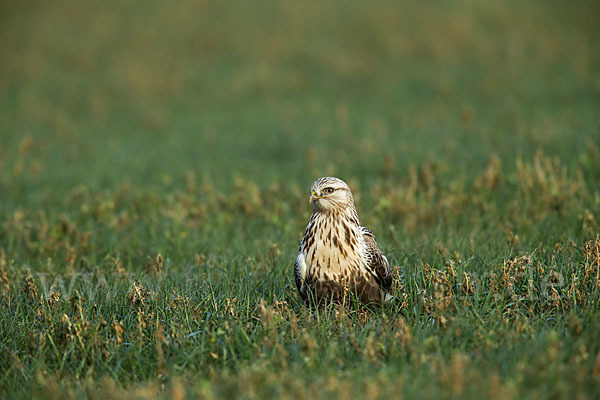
x,y
155,160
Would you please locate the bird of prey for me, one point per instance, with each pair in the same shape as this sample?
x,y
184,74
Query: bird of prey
x,y
338,258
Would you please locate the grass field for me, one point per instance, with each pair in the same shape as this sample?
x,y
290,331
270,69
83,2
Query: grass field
x,y
155,160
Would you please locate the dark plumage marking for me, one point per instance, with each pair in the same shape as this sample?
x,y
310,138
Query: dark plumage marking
x,y
344,252
348,236
311,252
323,292
336,243
378,264
367,290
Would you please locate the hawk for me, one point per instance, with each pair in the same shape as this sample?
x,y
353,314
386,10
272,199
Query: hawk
x,y
338,258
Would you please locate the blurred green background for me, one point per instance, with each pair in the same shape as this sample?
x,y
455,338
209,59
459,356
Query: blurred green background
x,y
144,92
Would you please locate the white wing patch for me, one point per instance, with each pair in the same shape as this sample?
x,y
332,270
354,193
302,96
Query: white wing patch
x,y
300,268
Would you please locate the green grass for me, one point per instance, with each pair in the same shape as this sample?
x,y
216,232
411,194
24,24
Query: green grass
x,y
155,160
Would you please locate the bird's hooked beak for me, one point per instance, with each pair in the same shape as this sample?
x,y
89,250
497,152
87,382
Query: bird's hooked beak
x,y
314,196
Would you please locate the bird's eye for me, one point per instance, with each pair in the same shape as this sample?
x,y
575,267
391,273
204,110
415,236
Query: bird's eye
x,y
328,190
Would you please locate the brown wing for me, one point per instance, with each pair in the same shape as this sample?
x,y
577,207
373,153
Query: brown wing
x,y
376,261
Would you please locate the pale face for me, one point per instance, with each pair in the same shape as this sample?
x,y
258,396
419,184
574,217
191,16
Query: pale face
x,y
330,193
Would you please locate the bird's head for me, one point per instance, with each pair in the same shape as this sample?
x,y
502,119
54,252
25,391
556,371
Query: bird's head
x,y
330,194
